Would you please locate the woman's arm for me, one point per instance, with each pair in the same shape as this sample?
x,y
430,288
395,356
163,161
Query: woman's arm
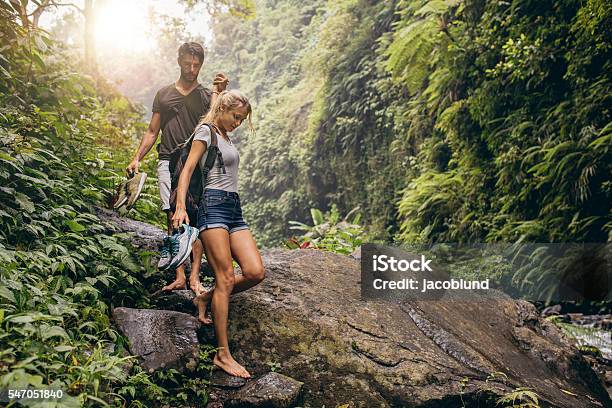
x,y
198,148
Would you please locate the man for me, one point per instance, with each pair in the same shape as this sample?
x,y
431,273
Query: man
x,y
177,108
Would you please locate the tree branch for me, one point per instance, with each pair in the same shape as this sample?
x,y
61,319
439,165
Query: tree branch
x,y
43,6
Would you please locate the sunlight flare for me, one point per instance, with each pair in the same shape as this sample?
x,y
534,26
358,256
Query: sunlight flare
x,y
123,26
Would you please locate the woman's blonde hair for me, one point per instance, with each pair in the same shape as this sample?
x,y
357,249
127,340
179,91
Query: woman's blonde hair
x,y
228,100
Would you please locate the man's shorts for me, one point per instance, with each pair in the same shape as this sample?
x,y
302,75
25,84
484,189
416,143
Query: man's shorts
x,y
220,209
164,181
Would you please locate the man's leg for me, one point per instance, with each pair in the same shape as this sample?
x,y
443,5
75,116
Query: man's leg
x,y
179,280
164,183
196,262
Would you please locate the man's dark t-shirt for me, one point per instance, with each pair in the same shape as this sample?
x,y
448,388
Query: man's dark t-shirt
x,y
179,115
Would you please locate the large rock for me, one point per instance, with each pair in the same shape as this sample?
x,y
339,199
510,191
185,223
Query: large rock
x,y
162,338
273,390
308,317
144,236
177,300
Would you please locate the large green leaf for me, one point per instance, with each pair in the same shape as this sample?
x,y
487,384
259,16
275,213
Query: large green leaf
x,y
54,331
24,202
6,293
75,226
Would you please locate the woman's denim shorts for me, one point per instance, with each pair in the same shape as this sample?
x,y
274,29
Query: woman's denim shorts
x,y
220,209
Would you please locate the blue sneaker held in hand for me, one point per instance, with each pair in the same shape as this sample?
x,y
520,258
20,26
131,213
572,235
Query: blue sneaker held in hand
x,y
185,237
170,248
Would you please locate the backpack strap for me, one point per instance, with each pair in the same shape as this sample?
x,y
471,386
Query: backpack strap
x,y
205,96
213,153
214,142
213,135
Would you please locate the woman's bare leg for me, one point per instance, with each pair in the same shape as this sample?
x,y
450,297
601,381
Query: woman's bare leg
x,y
219,256
244,250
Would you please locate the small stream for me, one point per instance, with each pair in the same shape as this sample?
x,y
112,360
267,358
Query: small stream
x,y
589,331
591,336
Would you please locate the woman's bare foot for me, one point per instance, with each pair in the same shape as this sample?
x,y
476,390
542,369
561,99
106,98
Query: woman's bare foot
x,y
176,285
230,366
201,301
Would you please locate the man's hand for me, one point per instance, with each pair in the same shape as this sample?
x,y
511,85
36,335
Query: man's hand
x,y
132,168
220,82
180,217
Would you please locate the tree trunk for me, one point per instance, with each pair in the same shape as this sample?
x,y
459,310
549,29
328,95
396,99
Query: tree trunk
x,y
90,52
38,12
36,17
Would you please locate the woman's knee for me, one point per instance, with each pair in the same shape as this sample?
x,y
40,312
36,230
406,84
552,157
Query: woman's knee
x,y
225,281
255,273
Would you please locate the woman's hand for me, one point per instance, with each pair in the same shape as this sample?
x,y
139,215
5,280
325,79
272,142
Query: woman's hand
x,y
180,217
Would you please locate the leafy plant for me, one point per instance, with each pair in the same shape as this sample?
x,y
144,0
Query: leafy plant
x,y
520,398
329,232
274,366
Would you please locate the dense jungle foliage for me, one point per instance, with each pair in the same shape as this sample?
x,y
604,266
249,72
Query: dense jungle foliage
x,y
444,121
61,271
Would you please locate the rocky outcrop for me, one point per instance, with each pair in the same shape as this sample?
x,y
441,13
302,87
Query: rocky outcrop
x,y
308,317
161,338
308,320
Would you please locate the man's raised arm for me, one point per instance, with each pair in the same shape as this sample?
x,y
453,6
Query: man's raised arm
x,y
148,140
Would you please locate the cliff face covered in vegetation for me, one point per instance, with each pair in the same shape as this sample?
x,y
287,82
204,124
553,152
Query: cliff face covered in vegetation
x,y
463,121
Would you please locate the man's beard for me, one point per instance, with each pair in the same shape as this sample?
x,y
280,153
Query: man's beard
x,y
188,78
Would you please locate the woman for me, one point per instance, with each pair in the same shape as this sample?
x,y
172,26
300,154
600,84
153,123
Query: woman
x,y
222,229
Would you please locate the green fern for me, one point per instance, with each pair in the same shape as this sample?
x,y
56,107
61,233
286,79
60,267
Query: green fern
x,y
519,398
